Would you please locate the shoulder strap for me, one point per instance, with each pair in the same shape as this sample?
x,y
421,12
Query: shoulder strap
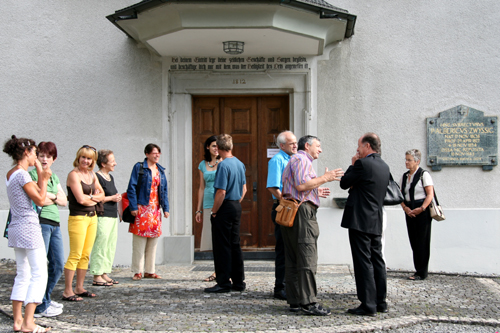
x,y
139,181
433,187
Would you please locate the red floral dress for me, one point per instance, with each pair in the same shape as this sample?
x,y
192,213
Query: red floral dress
x,y
148,220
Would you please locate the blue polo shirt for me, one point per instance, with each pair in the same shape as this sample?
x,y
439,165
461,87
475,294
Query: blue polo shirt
x,y
275,169
230,177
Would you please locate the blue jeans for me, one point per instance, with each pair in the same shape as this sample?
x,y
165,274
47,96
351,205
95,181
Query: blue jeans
x,y
55,256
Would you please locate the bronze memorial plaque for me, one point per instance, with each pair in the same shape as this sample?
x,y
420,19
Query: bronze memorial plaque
x,y
462,136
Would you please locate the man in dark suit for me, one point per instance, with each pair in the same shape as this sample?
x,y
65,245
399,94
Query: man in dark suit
x,y
367,179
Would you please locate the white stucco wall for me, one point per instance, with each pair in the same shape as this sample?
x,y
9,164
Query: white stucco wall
x,y
408,61
69,76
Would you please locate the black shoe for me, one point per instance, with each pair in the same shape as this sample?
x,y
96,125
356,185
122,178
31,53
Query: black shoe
x,y
294,308
360,312
382,309
316,310
239,288
217,289
280,294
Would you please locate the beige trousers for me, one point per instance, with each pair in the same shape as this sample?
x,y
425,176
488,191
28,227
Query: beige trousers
x,y
143,247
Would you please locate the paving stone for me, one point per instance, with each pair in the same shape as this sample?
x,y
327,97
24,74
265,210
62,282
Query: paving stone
x,y
177,303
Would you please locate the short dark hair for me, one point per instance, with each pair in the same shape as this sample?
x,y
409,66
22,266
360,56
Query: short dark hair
x,y
208,142
306,139
149,148
47,147
373,140
102,157
15,147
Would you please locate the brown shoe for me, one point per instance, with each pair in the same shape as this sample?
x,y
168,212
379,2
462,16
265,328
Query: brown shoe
x,y
151,276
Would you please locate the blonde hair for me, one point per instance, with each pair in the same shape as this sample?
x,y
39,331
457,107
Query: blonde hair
x,y
86,151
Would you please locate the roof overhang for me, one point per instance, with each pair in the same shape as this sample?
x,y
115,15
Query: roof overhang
x,y
267,27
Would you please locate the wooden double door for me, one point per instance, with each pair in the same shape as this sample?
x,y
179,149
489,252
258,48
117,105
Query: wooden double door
x,y
254,122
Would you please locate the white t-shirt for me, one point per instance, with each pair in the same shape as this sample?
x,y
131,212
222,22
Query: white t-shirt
x,y
419,189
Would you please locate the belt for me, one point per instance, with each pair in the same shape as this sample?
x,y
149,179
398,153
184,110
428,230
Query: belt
x,y
311,204
90,214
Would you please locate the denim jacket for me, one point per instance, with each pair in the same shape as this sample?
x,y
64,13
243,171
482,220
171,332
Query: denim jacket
x,y
144,192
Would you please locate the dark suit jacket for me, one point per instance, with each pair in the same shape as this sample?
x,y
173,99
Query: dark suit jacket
x,y
367,180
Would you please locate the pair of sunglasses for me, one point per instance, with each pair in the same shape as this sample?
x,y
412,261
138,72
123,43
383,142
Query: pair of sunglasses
x,y
89,147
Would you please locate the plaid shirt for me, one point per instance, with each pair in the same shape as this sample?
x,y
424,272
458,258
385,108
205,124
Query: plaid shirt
x,y
299,171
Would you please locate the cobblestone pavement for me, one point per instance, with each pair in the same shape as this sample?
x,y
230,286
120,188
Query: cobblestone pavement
x,y
177,303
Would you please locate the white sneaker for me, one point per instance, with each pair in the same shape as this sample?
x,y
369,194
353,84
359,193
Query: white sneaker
x,y
49,312
56,305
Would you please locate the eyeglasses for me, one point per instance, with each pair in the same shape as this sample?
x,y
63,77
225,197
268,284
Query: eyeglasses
x,y
89,147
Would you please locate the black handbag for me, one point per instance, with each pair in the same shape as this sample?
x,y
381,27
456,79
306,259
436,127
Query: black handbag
x,y
393,196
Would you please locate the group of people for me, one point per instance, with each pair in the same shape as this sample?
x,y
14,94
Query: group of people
x,y
291,175
34,224
93,199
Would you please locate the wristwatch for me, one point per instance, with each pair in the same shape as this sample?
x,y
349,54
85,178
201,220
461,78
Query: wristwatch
x,y
91,196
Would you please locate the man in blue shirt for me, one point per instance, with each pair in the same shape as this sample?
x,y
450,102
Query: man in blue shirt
x,y
230,188
288,146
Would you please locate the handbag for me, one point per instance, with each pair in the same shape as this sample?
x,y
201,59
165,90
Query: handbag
x,y
287,209
126,213
393,196
436,209
6,231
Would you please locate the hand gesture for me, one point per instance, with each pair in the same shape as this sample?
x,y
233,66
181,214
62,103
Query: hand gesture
x,y
43,174
323,192
355,158
333,174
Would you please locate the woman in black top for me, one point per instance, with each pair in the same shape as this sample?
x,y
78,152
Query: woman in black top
x,y
103,252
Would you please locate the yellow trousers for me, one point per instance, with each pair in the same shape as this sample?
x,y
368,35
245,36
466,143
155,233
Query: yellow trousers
x,y
82,231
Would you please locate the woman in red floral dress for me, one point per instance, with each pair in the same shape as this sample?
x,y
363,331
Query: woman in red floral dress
x,y
148,193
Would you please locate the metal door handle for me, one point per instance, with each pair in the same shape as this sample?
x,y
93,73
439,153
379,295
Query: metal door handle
x,y
255,191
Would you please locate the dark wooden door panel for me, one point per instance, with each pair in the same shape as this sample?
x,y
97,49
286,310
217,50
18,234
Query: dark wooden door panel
x,y
254,123
273,119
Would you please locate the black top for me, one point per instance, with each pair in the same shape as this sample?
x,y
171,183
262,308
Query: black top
x,y
110,207
76,209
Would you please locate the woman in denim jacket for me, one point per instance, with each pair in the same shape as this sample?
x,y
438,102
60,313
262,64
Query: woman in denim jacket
x,y
147,193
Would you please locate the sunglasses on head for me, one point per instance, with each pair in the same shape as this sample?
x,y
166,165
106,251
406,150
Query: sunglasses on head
x,y
89,147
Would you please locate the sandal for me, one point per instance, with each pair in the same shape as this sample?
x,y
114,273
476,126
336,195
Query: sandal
x,y
102,283
137,276
210,278
73,298
151,276
415,278
87,294
38,329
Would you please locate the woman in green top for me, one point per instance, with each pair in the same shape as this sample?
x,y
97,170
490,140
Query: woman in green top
x,y
51,232
207,170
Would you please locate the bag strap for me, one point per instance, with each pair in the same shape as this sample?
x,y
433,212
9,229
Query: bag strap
x,y
288,194
433,189
139,181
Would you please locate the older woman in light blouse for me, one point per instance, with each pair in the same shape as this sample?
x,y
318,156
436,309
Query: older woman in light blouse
x,y
418,190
